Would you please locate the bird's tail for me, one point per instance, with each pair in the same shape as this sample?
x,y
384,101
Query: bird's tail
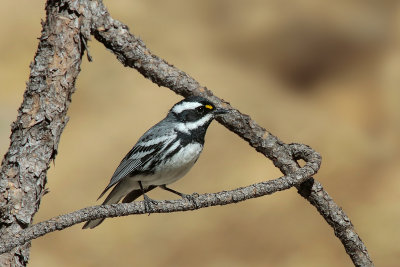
x,y
115,196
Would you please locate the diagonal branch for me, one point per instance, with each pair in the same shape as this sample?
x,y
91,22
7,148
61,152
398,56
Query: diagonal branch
x,y
199,201
132,52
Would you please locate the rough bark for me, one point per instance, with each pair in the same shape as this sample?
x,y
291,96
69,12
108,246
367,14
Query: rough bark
x,y
41,119
42,116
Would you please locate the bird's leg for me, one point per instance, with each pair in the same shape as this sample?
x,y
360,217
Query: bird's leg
x,y
173,191
182,195
147,201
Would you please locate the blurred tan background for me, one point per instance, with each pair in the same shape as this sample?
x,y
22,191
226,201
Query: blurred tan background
x,y
323,73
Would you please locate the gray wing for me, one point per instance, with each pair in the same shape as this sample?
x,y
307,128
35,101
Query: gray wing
x,y
147,148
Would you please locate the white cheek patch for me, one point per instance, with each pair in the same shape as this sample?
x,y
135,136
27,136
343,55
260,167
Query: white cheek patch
x,y
181,127
185,106
188,126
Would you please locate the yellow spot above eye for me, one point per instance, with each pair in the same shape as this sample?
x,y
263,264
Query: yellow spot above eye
x,y
209,106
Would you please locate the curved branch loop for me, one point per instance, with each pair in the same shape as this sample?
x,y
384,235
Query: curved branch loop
x,y
74,19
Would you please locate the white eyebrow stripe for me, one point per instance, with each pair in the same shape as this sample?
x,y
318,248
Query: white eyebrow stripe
x,y
185,106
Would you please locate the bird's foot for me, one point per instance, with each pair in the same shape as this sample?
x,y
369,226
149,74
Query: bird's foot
x,y
191,198
148,208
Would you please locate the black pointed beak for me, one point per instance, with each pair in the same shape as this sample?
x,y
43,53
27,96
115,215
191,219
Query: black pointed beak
x,y
220,111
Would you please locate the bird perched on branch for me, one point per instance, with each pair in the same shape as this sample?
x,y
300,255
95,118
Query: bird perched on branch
x,y
164,154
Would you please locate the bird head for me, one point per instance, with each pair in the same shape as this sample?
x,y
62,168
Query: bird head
x,y
194,108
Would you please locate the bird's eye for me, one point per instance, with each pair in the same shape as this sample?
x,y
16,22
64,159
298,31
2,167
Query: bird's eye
x,y
200,109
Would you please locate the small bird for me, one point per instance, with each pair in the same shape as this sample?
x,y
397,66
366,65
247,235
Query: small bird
x,y
164,154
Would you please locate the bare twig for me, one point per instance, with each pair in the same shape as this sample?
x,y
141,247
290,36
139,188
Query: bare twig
x,y
132,52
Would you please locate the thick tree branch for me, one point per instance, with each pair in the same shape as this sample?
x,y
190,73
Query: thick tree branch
x,y
70,21
38,127
199,201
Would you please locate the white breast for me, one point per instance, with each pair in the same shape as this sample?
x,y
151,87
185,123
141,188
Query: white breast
x,y
176,167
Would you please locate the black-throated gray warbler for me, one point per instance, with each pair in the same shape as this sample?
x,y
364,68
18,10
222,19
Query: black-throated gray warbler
x,y
164,154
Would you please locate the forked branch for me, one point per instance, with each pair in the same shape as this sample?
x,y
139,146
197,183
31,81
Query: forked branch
x,y
91,17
